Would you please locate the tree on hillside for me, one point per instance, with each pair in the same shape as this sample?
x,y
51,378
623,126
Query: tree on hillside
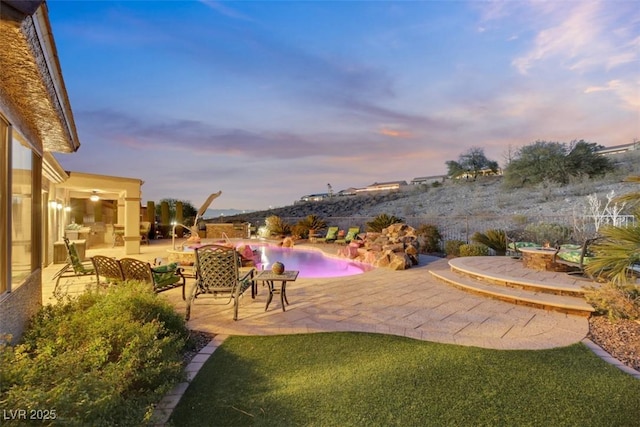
x,y
555,161
472,162
584,160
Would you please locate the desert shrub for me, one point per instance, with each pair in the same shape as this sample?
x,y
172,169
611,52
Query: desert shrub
x,y
495,239
520,220
616,301
102,358
310,222
430,238
276,226
474,249
381,222
299,231
452,247
549,232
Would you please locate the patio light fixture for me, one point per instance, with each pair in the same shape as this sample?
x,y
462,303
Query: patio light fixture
x,y
94,197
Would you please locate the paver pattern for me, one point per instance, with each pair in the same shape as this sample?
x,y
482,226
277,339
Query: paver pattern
x,y
407,303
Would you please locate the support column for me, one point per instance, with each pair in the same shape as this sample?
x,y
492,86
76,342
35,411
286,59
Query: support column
x,y
131,225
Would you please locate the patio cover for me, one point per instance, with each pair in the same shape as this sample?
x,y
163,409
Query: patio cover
x,y
127,191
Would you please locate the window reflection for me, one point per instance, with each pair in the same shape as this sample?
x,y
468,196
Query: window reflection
x,y
21,212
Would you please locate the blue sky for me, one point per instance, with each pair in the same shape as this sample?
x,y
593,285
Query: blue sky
x,y
271,100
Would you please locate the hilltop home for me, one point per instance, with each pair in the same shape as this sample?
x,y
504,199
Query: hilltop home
x,y
383,186
618,149
426,180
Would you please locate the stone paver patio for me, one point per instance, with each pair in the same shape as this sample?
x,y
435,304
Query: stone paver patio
x,y
407,303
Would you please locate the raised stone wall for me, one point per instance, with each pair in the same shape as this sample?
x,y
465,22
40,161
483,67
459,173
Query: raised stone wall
x,y
232,231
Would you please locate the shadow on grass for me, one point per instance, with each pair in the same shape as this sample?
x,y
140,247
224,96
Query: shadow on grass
x,y
342,379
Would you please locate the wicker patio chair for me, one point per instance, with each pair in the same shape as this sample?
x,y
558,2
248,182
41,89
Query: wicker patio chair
x,y
162,278
74,267
108,268
218,274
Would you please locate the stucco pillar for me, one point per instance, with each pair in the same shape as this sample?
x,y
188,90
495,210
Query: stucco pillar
x,y
131,225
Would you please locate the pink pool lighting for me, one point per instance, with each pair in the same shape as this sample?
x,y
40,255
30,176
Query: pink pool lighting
x,y
310,263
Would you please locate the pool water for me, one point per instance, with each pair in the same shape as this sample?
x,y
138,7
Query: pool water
x,y
310,263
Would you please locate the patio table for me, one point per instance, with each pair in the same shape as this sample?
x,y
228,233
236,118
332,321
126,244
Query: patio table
x,y
270,278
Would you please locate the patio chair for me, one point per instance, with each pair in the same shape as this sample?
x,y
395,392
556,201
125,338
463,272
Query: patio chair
x,y
108,268
576,256
352,234
162,278
331,236
74,267
218,274
513,247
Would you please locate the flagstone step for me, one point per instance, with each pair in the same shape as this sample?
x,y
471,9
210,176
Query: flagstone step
x,y
516,295
510,273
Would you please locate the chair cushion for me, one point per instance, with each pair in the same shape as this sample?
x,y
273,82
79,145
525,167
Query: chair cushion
x,y
165,274
78,267
519,245
331,233
571,256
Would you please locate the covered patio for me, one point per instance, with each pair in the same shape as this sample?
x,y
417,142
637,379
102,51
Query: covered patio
x,y
99,203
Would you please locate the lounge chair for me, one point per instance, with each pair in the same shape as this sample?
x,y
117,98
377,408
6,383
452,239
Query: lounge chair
x,y
74,267
576,256
352,234
513,247
218,274
331,236
162,278
108,268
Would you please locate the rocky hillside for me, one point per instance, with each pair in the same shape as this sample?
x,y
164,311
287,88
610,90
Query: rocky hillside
x,y
487,196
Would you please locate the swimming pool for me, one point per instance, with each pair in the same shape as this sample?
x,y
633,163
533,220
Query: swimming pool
x,y
310,263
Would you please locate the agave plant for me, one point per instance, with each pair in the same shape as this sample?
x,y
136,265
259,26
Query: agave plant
x,y
382,221
495,239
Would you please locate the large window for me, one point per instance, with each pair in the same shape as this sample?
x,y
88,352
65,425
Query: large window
x,y
21,211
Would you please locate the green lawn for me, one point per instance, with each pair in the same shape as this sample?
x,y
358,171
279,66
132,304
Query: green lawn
x,y
357,379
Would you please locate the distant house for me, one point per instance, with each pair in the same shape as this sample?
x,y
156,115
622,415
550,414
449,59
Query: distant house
x,y
314,197
618,149
383,186
426,180
351,191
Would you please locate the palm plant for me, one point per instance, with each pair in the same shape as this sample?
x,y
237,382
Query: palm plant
x,y
495,239
634,197
313,222
616,253
382,221
277,226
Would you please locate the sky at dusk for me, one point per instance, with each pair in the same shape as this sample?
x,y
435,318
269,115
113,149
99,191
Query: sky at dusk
x,y
271,100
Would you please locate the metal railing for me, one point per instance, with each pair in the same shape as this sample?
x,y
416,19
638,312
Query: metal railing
x,y
463,227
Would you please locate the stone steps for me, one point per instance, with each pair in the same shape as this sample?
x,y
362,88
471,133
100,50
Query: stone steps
x,y
517,291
